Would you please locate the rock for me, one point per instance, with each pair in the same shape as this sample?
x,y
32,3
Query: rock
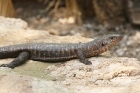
x,y
29,36
11,23
26,84
136,37
118,72
120,52
133,11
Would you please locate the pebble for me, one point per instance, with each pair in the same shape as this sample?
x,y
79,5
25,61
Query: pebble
x,y
129,42
120,52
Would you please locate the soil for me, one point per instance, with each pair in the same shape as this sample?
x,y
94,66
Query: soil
x,y
56,23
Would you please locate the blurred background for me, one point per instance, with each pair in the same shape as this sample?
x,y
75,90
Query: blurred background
x,y
87,18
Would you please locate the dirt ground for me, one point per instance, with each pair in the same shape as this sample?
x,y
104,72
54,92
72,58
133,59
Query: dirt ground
x,y
35,15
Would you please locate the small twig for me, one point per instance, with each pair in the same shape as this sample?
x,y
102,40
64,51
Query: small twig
x,y
56,5
52,3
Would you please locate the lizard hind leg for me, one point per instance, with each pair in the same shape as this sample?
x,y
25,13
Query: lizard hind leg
x,y
22,58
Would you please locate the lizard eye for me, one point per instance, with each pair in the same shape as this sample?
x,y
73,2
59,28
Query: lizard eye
x,y
103,44
111,37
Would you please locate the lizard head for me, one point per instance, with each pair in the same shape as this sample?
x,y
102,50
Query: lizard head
x,y
106,42
110,40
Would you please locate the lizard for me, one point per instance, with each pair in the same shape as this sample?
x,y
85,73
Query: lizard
x,y
55,52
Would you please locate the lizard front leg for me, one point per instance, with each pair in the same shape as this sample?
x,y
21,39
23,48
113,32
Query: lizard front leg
x,y
22,58
82,58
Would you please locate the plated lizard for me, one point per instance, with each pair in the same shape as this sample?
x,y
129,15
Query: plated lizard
x,y
49,52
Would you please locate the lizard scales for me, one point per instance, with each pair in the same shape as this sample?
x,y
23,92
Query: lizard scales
x,y
57,52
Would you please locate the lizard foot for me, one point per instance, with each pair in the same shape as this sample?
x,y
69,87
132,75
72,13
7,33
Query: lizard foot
x,y
86,62
7,65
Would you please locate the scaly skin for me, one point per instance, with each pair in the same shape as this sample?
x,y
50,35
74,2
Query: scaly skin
x,y
57,52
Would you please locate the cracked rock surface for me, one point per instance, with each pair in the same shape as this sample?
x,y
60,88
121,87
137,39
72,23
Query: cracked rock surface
x,y
117,72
